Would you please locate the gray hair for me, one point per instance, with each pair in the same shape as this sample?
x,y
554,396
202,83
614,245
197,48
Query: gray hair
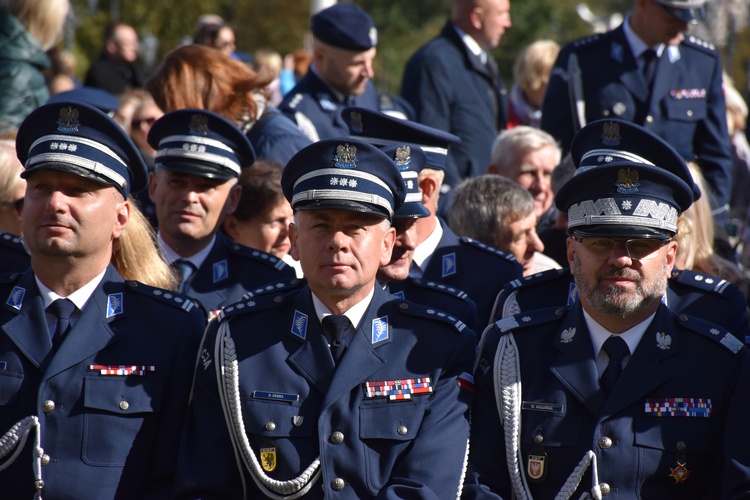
x,y
483,206
510,144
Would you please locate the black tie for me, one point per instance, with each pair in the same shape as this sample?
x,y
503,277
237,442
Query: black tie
x,y
62,309
185,269
335,326
650,61
616,349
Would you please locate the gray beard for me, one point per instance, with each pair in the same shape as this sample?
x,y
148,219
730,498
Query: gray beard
x,y
616,300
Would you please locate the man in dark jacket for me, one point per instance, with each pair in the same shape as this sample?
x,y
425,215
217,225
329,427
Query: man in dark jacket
x,y
454,86
115,70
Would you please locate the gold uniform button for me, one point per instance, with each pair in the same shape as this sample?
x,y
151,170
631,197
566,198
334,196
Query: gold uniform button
x,y
538,439
605,442
402,429
681,445
48,406
649,119
337,437
605,489
45,459
690,112
338,484
124,405
270,426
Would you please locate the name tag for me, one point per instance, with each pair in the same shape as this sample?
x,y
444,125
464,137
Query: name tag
x,y
545,407
276,396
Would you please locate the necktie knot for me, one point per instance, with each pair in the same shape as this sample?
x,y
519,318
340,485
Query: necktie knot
x,y
63,309
335,326
616,349
185,269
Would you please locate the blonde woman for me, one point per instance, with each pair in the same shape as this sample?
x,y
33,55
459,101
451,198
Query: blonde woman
x,y
28,28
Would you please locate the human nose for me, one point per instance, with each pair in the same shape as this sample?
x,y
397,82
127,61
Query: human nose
x,y
368,71
406,240
338,242
620,255
536,242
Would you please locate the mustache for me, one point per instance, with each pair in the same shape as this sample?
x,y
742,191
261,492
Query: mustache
x,y
623,272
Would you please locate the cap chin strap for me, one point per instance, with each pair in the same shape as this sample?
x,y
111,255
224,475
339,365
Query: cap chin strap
x,y
227,373
507,382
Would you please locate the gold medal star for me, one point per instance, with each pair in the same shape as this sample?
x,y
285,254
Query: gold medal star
x,y
679,473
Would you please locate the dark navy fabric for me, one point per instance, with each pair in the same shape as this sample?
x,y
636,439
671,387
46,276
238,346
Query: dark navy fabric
x,y
106,435
453,91
275,138
14,258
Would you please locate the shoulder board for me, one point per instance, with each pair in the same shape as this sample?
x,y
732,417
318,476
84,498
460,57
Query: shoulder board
x,y
487,248
9,277
257,256
254,304
538,278
161,295
420,311
439,287
295,100
705,46
699,281
12,241
282,286
589,41
713,331
530,318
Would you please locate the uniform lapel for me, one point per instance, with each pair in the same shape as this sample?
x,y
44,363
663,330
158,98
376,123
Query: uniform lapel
x,y
622,57
574,364
28,330
203,285
92,332
646,369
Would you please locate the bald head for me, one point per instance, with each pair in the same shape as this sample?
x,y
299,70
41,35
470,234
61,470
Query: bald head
x,y
483,20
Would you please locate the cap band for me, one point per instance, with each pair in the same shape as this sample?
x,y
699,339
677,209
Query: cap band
x,y
343,184
607,154
605,211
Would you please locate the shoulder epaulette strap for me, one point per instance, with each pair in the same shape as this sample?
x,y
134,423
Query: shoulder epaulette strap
x,y
439,287
538,278
711,330
10,277
589,41
295,100
530,318
12,241
254,304
420,311
165,296
257,255
699,43
703,282
487,248
281,286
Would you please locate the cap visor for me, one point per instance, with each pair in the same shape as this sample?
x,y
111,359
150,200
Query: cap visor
x,y
71,169
619,231
687,15
199,169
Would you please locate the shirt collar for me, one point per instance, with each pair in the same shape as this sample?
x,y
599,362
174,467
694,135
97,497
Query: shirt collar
x,y
631,337
472,45
79,297
354,313
424,250
638,46
170,255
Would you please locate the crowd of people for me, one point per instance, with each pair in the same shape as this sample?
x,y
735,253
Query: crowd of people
x,y
248,276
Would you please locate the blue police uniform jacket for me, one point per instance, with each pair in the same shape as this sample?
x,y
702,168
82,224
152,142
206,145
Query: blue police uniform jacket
x,y
313,98
465,264
14,254
686,107
104,434
674,425
297,405
439,296
708,297
230,270
451,90
275,138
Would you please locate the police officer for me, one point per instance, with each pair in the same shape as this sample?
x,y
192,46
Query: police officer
x,y
616,393
440,256
648,72
430,293
93,367
344,45
199,155
343,390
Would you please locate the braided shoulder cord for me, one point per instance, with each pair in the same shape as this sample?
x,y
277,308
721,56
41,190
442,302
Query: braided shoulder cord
x,y
575,477
15,439
508,398
229,388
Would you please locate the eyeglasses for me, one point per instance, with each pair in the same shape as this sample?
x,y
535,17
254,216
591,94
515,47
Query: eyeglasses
x,y
137,122
603,248
16,205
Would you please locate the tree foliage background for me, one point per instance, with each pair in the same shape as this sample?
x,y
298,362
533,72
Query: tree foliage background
x,y
403,26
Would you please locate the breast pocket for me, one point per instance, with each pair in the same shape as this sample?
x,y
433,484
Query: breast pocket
x,y
685,110
386,430
10,383
119,412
